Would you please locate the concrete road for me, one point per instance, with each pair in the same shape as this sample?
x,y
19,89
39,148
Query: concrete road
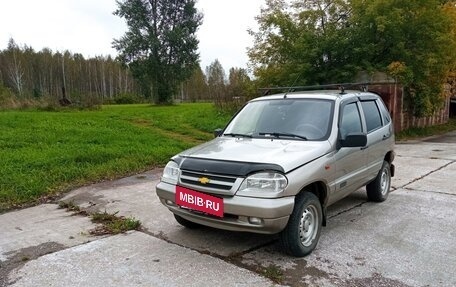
x,y
409,240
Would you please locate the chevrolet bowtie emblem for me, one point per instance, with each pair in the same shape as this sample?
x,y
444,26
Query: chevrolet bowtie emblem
x,y
204,180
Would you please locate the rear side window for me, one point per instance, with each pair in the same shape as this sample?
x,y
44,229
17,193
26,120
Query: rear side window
x,y
372,115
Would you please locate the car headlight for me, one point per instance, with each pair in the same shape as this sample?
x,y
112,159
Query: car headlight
x,y
170,173
264,182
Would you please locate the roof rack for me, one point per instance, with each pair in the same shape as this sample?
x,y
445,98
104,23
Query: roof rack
x,y
341,86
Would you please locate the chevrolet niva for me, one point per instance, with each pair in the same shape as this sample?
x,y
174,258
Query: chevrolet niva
x,y
280,162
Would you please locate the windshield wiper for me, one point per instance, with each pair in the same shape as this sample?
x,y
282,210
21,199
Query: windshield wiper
x,y
238,135
278,135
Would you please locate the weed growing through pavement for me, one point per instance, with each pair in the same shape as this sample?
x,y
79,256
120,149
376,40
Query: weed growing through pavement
x,y
25,258
113,224
273,272
69,206
72,207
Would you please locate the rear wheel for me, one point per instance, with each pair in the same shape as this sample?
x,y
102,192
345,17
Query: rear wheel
x,y
186,223
378,189
300,236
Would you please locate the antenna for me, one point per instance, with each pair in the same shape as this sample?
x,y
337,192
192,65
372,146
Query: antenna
x,y
266,92
292,89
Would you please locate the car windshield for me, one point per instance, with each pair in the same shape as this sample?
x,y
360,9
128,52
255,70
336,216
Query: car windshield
x,y
299,119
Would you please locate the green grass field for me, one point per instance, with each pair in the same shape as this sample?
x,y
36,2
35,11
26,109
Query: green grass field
x,y
46,153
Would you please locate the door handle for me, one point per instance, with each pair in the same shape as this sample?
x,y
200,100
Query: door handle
x,y
364,147
385,137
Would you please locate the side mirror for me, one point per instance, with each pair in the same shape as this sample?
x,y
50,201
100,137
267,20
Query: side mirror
x,y
217,132
354,140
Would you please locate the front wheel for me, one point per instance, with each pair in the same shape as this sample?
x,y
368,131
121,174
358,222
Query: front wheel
x,y
300,236
378,189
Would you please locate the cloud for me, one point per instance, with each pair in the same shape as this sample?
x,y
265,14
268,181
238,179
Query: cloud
x,y
89,27
86,27
223,35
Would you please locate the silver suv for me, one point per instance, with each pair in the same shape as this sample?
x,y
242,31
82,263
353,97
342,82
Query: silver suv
x,y
280,162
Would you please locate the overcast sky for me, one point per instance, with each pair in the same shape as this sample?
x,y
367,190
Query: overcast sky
x,y
88,27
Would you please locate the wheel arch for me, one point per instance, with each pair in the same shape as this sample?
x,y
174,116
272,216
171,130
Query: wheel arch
x,y
320,190
389,157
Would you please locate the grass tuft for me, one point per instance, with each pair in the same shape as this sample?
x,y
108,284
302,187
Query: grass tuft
x,y
272,272
72,207
113,224
69,206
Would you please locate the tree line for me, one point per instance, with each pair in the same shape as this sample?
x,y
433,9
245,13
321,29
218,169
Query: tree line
x,y
55,78
47,76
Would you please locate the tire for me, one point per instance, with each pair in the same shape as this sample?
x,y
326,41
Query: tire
x,y
379,189
186,223
301,235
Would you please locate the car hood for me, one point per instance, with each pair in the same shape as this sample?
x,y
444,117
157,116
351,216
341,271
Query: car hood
x,y
289,154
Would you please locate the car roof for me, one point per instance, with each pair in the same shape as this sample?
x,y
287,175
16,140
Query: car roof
x,y
318,94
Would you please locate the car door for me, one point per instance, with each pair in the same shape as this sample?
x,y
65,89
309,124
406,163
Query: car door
x,y
378,131
350,162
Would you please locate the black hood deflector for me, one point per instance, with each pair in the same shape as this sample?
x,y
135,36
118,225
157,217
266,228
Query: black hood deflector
x,y
222,167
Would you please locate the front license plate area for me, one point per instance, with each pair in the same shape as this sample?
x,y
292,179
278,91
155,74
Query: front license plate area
x,y
199,201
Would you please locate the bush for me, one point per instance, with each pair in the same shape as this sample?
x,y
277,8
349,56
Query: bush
x,y
6,97
126,98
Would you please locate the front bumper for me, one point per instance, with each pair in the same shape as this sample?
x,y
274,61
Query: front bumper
x,y
258,215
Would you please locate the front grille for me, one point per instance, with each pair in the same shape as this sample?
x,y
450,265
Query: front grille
x,y
217,182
